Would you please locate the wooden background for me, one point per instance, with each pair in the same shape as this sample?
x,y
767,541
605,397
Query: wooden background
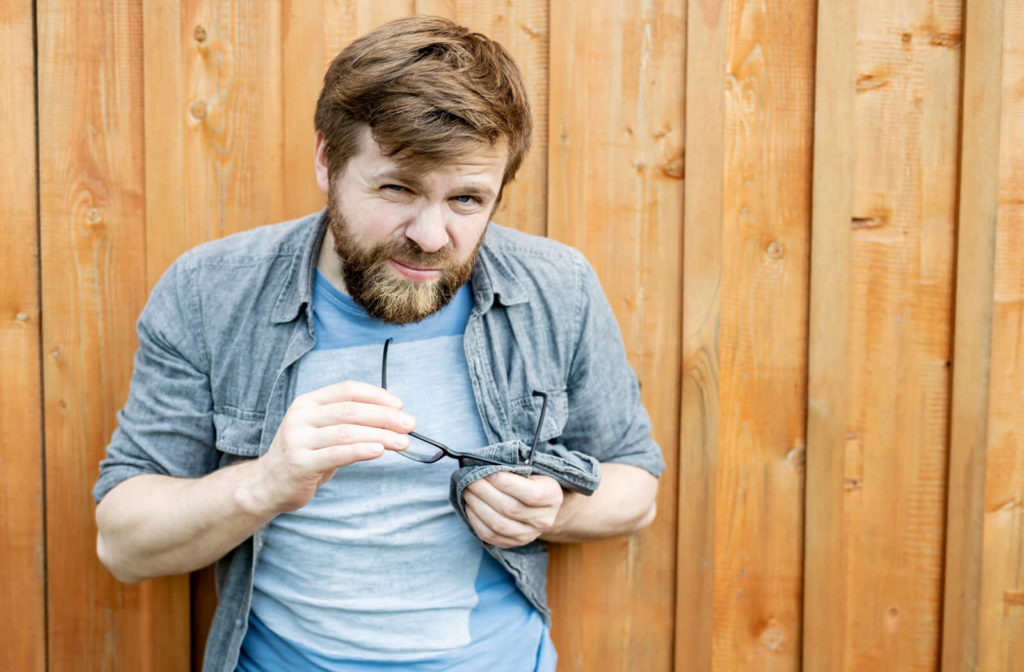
x,y
808,217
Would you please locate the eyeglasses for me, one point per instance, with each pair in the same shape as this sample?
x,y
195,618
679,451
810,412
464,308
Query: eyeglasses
x,y
431,451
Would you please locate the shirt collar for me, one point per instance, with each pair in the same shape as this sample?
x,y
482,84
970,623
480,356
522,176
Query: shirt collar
x,y
493,279
297,290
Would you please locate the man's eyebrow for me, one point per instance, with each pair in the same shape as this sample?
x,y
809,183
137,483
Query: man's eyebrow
x,y
481,191
393,175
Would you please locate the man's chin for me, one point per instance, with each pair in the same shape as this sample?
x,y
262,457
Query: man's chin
x,y
403,301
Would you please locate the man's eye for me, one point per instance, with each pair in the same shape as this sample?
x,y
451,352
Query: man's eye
x,y
466,200
397,188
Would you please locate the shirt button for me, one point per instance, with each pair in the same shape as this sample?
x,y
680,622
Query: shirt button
x,y
238,622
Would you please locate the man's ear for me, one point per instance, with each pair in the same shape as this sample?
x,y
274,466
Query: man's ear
x,y
320,163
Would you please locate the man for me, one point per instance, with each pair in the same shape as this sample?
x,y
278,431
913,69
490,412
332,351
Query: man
x,y
259,434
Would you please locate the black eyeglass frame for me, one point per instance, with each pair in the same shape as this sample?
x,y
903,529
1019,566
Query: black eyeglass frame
x,y
443,450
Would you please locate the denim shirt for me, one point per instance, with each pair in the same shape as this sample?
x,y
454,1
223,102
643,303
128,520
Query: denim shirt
x,y
224,327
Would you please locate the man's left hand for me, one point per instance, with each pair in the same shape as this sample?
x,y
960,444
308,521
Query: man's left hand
x,y
509,510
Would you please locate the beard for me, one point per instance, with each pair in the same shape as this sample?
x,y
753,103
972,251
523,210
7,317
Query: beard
x,y
381,292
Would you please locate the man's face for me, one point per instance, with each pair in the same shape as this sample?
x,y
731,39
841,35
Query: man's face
x,y
407,239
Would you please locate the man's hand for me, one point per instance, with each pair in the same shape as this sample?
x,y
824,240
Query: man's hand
x,y
323,430
509,510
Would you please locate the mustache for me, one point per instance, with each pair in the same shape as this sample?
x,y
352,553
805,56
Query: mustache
x,y
406,251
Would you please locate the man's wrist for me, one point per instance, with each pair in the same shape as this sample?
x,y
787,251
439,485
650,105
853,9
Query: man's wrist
x,y
250,495
571,504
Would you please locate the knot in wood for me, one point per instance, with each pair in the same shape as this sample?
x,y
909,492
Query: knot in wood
x,y
198,109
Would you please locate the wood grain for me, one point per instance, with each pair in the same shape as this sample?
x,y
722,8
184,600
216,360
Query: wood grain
x,y
897,240
1001,619
972,351
825,591
900,311
765,222
302,35
93,287
346,20
22,542
704,166
615,159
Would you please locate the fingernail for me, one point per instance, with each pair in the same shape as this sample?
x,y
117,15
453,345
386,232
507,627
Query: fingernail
x,y
408,420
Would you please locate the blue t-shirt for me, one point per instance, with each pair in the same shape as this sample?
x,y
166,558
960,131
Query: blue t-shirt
x,y
377,572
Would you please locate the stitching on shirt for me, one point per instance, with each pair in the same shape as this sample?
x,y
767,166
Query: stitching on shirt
x,y
238,413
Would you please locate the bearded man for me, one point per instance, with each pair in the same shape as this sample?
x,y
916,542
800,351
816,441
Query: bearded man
x,y
374,418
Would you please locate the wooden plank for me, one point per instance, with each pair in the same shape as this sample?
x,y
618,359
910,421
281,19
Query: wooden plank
x,y
969,411
22,550
302,35
825,599
615,159
215,123
768,107
229,141
165,38
346,20
232,110
93,287
706,37
163,80
1001,620
901,296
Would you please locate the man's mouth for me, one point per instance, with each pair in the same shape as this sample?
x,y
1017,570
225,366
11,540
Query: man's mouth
x,y
415,272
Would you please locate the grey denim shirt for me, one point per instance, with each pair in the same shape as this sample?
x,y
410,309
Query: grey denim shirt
x,y
224,327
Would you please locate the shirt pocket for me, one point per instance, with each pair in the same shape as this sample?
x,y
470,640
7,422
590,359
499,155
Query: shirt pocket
x,y
525,413
237,437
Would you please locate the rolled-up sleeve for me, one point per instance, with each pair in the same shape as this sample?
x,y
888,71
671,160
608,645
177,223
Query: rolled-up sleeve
x,y
607,418
166,426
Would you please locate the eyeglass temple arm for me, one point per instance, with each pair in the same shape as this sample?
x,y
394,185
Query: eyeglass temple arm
x,y
384,384
384,366
540,425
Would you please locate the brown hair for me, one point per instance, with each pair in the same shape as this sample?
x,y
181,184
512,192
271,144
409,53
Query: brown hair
x,y
430,91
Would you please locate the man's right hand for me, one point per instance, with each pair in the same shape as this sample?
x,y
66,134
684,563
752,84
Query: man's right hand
x,y
323,430
153,524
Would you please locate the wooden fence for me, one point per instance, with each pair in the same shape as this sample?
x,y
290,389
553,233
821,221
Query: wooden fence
x,y
809,219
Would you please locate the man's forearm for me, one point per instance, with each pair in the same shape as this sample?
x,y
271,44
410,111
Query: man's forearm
x,y
624,503
154,525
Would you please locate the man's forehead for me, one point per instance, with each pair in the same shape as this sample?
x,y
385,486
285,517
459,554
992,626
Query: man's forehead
x,y
409,164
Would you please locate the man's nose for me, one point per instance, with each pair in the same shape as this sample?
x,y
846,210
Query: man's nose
x,y
428,229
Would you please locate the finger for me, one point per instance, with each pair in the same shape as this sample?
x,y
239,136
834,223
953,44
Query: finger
x,y
509,507
487,534
503,525
535,491
359,413
321,437
353,390
332,457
